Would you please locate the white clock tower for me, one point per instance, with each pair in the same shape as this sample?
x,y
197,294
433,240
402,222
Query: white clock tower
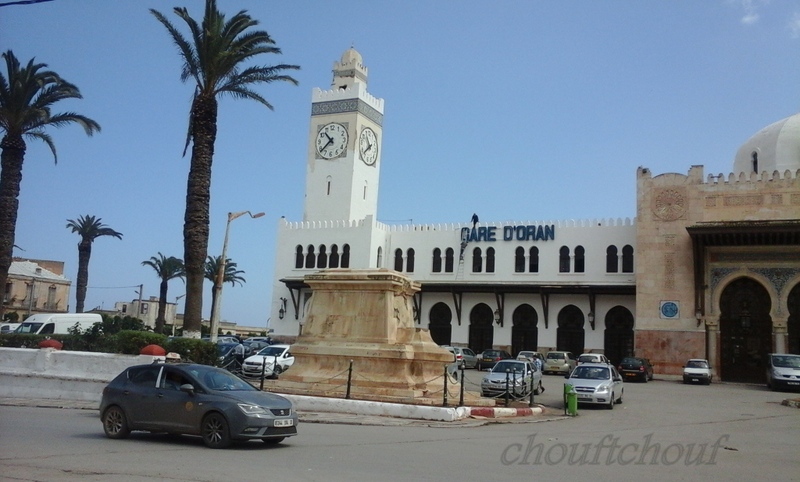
x,y
344,146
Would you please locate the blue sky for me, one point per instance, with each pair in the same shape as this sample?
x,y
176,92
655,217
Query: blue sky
x,y
515,110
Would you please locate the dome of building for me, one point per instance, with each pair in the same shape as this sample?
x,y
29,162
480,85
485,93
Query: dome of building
x,y
351,55
773,148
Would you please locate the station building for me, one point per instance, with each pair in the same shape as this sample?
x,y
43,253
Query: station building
x,y
710,267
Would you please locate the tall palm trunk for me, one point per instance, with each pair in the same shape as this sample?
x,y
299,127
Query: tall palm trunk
x,y
10,179
196,219
84,253
162,306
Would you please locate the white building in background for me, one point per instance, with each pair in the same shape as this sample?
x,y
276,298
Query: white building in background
x,y
710,268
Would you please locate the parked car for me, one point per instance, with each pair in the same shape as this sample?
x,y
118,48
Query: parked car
x,y
635,368
529,355
783,371
697,370
191,399
597,383
253,347
266,339
592,358
463,355
225,354
489,358
7,328
559,362
522,372
278,359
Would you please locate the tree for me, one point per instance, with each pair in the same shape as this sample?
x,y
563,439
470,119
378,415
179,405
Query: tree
x,y
27,95
214,56
231,275
166,269
88,228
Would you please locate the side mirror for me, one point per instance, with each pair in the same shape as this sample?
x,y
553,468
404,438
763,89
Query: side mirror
x,y
566,376
188,388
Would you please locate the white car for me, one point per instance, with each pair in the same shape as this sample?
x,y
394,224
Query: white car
x,y
697,370
277,358
518,375
592,358
597,383
783,371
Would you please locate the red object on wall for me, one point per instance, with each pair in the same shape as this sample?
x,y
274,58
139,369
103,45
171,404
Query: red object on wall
x,y
154,350
51,343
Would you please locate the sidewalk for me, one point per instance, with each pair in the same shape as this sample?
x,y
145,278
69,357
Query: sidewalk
x,y
481,418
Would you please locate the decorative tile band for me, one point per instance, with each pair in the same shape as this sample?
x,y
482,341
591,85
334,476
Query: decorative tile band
x,y
347,105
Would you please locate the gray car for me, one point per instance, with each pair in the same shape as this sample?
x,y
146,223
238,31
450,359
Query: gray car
x,y
597,383
518,375
783,371
463,355
194,399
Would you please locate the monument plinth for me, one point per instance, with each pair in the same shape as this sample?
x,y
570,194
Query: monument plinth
x,y
366,316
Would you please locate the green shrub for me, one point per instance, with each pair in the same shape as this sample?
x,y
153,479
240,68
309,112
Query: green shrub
x,y
131,342
194,350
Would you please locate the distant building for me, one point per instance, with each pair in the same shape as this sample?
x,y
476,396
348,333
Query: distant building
x,y
36,286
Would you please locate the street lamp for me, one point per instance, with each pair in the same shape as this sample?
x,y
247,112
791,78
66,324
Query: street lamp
x,y
175,320
221,273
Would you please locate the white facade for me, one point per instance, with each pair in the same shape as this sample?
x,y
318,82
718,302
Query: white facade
x,y
513,278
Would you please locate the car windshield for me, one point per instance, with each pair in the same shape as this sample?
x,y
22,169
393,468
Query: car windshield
x,y
511,366
526,353
28,328
697,364
591,373
786,361
217,379
224,348
588,358
271,351
555,356
631,361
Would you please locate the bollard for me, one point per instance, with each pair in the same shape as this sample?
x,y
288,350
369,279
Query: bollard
x,y
507,375
444,397
533,380
461,395
349,379
263,371
567,389
571,400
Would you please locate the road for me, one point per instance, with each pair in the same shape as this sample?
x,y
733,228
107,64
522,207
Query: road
x,y
656,435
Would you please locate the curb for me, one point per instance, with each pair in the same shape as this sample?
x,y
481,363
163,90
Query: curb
x,y
498,412
791,402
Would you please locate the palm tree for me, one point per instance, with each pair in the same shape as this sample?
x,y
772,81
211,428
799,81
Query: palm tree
x,y
88,228
214,57
231,275
166,269
26,97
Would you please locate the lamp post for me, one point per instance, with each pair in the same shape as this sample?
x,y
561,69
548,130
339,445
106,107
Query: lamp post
x,y
221,273
175,319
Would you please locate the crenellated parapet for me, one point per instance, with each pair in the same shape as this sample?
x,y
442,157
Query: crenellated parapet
x,y
407,228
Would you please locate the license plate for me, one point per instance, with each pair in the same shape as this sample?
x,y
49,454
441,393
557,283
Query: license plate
x,y
630,374
285,422
695,379
584,397
793,383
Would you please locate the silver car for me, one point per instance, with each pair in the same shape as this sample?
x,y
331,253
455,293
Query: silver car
x,y
597,383
463,355
520,375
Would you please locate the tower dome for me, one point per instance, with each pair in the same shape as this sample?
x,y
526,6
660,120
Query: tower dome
x,y
773,148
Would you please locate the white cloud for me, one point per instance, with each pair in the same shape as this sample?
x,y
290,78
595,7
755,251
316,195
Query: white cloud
x,y
750,8
794,25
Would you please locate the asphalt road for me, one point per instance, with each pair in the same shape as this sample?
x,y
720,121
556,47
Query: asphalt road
x,y
664,431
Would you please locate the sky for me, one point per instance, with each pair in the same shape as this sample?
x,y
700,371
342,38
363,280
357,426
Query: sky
x,y
517,110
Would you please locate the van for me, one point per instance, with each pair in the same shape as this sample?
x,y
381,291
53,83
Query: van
x,y
57,323
6,328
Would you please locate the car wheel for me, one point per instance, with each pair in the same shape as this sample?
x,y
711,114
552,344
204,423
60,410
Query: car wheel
x,y
610,405
273,440
277,370
644,379
619,400
115,424
215,431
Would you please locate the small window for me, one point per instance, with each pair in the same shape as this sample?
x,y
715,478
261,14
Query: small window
x,y
477,260
437,260
322,258
310,257
410,260
627,259
612,263
533,260
380,257
449,255
490,260
755,162
563,260
334,257
398,260
519,260
580,262
346,256
298,257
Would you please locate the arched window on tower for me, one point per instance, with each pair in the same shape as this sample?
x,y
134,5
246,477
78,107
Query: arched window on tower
x,y
612,263
310,258
334,258
346,256
380,257
563,260
627,259
490,260
449,254
519,260
322,257
437,260
299,259
477,261
398,259
533,260
755,162
365,191
580,260
410,260
328,186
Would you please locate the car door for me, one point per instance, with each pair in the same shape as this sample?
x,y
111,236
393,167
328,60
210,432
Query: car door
x,y
617,381
286,360
470,358
139,394
173,409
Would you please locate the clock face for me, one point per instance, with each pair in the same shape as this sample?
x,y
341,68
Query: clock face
x,y
368,146
331,140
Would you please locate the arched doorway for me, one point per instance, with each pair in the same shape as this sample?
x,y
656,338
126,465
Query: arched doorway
x,y
570,335
524,333
481,334
618,335
745,331
793,325
439,326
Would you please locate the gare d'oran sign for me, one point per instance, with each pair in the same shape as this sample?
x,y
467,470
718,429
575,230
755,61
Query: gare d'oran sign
x,y
510,233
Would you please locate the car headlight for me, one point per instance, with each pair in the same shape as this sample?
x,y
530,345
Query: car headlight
x,y
251,409
602,389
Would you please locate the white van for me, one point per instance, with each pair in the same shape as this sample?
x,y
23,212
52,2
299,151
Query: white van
x,y
6,328
57,323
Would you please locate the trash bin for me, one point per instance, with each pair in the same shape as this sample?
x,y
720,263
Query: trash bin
x,y
570,400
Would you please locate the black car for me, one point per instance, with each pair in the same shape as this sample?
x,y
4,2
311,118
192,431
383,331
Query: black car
x,y
635,368
489,358
194,399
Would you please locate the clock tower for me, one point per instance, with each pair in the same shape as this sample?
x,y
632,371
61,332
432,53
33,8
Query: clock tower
x,y
344,147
